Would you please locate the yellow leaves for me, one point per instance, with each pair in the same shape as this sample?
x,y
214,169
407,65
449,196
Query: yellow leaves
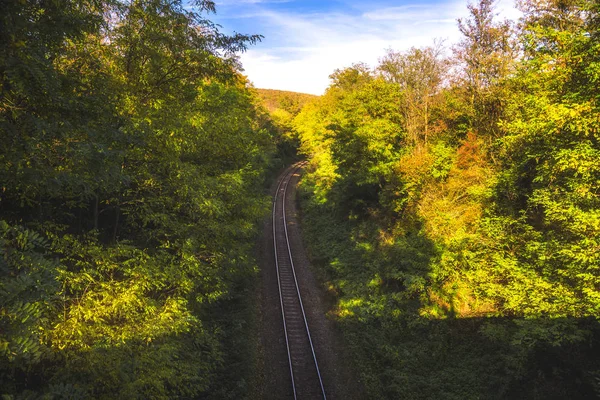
x,y
157,104
150,182
449,208
375,282
462,301
446,219
323,174
346,307
118,313
414,165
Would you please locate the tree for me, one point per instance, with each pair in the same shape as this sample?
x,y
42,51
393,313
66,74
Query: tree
x,y
348,79
486,56
548,186
132,165
420,74
562,15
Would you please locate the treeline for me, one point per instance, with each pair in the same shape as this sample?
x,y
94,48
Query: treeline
x,y
290,102
453,203
283,107
132,163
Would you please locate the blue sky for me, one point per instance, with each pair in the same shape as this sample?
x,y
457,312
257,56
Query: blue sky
x,y
305,41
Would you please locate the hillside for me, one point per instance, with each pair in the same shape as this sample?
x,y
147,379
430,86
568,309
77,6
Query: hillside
x,y
289,101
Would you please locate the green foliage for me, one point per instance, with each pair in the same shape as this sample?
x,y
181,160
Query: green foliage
x,y
291,102
419,73
455,215
444,158
28,291
282,107
546,207
366,133
458,226
487,54
133,161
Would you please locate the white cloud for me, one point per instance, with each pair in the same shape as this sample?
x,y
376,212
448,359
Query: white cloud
x,y
301,51
236,2
404,13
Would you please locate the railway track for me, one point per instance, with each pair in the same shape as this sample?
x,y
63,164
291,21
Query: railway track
x,y
306,381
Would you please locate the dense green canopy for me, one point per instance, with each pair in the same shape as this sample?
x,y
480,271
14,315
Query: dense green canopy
x,y
131,167
454,205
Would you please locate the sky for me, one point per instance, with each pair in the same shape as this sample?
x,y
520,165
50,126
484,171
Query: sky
x,y
305,41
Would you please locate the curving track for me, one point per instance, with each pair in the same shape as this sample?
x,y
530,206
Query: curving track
x,y
306,381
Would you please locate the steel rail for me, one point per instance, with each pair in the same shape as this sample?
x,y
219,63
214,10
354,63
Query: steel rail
x,y
287,178
287,239
287,343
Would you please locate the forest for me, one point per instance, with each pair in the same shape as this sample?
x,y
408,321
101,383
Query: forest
x,y
133,160
450,206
